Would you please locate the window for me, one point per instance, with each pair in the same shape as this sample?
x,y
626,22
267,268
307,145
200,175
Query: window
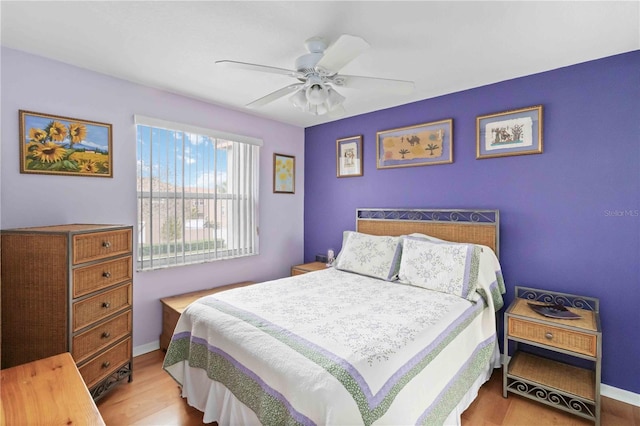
x,y
197,194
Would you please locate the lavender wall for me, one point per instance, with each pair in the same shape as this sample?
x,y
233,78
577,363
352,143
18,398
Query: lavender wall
x,y
569,217
37,84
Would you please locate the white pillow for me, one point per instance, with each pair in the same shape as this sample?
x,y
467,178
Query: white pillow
x,y
371,255
446,267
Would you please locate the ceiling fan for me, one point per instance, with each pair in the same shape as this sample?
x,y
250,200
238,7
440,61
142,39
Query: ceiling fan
x,y
317,75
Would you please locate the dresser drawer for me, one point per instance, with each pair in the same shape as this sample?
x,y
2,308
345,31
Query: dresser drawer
x,y
106,363
101,306
88,279
556,337
99,337
100,245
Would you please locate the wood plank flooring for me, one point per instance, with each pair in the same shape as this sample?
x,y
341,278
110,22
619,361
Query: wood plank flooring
x,y
153,398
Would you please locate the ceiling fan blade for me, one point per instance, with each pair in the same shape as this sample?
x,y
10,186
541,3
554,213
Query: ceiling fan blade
x,y
259,68
275,95
340,53
400,87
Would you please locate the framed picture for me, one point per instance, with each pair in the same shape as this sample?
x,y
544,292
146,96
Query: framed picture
x,y
349,156
55,145
515,132
284,174
420,145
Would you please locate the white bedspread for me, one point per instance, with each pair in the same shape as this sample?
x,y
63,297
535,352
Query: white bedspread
x,y
332,347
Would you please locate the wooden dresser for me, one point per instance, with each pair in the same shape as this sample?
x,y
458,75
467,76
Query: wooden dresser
x,y
68,288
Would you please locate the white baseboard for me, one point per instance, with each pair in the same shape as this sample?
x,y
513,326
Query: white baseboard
x,y
605,390
146,348
620,395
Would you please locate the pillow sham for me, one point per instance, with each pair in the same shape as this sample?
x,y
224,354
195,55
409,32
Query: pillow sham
x,y
371,255
446,267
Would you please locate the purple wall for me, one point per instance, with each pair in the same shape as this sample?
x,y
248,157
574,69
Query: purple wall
x,y
560,228
34,83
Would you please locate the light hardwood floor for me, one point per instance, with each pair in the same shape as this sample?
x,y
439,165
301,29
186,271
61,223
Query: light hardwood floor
x,y
153,398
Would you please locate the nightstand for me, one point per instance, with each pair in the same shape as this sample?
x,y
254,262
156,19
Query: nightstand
x,y
173,306
559,384
307,267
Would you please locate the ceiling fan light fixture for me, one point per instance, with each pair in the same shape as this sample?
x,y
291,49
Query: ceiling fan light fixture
x,y
334,99
319,109
317,93
326,99
299,100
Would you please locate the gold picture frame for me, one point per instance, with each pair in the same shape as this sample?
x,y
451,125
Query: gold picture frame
x,y
349,157
284,174
57,145
419,145
513,132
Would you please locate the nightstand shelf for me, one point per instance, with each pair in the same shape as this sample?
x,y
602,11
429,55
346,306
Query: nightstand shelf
x,y
561,385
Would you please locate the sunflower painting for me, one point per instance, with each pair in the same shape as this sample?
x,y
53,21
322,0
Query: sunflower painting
x,y
51,144
284,167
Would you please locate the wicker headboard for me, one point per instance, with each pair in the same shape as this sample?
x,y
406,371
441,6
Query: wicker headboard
x,y
461,226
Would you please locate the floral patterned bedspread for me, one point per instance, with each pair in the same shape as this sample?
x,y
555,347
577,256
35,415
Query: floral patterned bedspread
x,y
333,347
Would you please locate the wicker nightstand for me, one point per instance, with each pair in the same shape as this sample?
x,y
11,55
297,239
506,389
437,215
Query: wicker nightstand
x,y
569,388
307,267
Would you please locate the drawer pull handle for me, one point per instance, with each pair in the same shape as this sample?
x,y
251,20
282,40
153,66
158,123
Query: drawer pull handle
x,y
106,244
548,335
106,335
106,364
106,274
106,305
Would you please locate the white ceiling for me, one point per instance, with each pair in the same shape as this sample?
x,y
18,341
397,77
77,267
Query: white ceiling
x,y
444,47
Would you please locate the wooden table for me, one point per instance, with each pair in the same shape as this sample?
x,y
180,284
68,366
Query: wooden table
x,y
173,306
307,267
47,391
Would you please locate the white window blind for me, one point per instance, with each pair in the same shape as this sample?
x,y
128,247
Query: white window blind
x,y
197,194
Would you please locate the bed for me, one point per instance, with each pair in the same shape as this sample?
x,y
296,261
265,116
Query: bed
x,y
402,330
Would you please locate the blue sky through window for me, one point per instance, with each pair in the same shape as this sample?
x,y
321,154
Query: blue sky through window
x,y
181,158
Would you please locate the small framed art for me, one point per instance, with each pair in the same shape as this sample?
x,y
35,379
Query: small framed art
x,y
55,145
420,145
349,156
514,132
284,174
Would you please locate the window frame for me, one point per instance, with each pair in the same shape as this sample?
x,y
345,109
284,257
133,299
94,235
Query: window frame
x,y
240,202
